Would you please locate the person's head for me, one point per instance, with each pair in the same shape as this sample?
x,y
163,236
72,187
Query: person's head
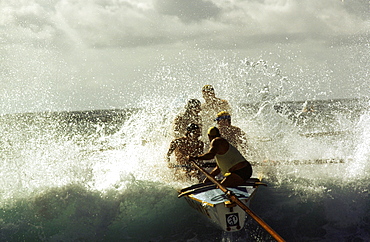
x,y
208,91
213,132
223,118
193,105
193,130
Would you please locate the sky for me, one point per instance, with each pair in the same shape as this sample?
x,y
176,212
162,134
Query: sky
x,y
64,55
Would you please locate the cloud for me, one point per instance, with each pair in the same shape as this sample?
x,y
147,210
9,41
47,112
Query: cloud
x,y
25,23
132,23
188,11
67,49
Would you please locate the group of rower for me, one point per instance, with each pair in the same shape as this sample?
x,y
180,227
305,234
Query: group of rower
x,y
225,140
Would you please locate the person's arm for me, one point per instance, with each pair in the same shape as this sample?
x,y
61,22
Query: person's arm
x,y
199,149
173,146
209,155
242,140
215,146
226,106
215,171
176,125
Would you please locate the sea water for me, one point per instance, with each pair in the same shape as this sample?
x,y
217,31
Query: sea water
x,y
101,175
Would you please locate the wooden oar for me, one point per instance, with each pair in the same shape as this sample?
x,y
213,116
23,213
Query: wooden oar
x,y
234,198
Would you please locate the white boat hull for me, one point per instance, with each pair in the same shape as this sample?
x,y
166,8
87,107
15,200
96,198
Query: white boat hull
x,y
215,205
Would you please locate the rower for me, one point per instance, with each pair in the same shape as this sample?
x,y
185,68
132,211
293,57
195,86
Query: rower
x,y
211,106
234,135
189,144
230,162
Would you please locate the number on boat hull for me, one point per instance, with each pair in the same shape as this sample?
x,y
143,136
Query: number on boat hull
x,y
232,220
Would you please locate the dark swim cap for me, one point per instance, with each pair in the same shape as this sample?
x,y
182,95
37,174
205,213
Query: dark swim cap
x,y
208,88
193,103
192,127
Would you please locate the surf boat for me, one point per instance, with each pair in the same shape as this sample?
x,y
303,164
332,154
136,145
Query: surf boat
x,y
216,205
